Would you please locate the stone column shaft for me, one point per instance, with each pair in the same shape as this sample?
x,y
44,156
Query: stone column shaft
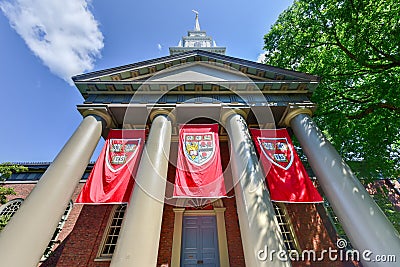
x,y
363,221
140,232
30,230
255,211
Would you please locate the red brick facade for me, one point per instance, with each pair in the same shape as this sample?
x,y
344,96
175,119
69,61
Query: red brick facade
x,y
83,232
81,237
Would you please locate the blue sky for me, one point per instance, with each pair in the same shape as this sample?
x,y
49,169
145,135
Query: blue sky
x,y
44,42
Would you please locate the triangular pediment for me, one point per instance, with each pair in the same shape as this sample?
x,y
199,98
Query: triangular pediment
x,y
148,68
198,72
194,66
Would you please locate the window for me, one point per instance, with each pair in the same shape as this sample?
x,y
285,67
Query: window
x,y
54,240
8,210
111,234
285,227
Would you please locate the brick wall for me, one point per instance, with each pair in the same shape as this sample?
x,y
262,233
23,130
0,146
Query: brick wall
x,y
23,190
87,223
80,247
82,234
166,237
311,227
392,189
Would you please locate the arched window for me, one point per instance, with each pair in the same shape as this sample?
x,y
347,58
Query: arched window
x,y
8,210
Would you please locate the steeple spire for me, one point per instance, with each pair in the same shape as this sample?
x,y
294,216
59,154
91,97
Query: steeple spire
x,y
197,40
197,25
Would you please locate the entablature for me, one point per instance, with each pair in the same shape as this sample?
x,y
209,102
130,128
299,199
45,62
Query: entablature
x,y
135,114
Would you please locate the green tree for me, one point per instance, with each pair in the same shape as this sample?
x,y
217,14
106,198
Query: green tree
x,y
353,45
6,169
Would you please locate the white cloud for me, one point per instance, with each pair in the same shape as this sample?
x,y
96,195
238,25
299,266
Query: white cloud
x,y
261,58
159,47
63,34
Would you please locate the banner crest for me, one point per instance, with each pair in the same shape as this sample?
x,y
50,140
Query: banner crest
x,y
120,152
277,151
199,147
199,169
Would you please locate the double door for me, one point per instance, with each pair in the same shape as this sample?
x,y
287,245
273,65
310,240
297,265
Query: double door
x,y
199,242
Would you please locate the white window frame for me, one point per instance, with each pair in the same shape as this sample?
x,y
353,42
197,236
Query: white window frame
x,y
286,228
111,234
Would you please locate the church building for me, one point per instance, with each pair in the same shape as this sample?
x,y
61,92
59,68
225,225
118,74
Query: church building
x,y
198,169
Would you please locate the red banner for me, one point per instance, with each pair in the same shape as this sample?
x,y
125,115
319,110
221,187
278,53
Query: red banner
x,y
287,178
199,170
112,177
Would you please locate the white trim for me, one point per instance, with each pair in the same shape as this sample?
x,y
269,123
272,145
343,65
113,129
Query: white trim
x,y
288,222
100,256
20,182
10,203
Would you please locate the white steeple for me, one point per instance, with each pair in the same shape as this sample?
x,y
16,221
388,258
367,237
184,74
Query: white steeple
x,y
197,39
197,24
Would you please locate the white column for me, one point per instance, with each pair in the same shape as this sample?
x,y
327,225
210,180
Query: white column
x,y
140,232
26,236
363,221
177,239
222,241
258,228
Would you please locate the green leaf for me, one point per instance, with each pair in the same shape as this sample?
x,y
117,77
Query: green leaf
x,y
354,46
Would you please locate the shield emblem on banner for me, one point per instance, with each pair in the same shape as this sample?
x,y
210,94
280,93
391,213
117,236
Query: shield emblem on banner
x,y
199,147
120,152
277,151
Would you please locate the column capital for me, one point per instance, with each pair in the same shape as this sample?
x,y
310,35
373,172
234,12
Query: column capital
x,y
225,113
219,210
293,113
102,113
178,210
156,112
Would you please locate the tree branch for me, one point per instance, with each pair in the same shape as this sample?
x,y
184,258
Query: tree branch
x,y
372,108
352,100
363,63
380,52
